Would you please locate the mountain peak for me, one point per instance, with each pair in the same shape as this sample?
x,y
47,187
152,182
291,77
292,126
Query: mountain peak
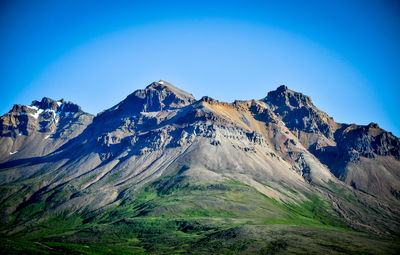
x,y
283,96
157,96
162,85
299,113
61,105
40,117
282,88
159,84
47,103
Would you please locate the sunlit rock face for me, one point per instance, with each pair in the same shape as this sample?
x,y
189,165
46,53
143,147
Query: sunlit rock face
x,y
40,128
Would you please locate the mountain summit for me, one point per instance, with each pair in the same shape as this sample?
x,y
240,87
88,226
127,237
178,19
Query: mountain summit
x,y
162,171
157,96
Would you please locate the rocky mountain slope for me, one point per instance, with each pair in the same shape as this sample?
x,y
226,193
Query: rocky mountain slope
x,y
39,129
366,157
201,169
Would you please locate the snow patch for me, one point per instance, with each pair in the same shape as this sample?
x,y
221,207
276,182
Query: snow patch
x,y
161,82
47,136
59,103
33,107
20,133
11,153
150,114
36,115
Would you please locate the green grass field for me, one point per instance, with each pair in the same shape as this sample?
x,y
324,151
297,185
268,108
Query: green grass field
x,y
169,217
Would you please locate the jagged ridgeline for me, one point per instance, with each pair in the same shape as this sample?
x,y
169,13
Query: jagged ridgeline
x,y
162,172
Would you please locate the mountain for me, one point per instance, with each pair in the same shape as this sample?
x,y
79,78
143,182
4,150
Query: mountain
x,y
39,129
162,172
366,157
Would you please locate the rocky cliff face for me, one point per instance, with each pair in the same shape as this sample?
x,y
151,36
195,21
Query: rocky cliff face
x,y
344,149
39,129
281,146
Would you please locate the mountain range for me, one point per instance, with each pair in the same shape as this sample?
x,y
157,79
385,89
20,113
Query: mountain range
x,y
162,172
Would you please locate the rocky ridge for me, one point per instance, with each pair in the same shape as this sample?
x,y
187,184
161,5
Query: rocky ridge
x,y
282,146
40,128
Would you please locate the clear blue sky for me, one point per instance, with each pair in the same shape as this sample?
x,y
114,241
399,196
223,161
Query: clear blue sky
x,y
344,54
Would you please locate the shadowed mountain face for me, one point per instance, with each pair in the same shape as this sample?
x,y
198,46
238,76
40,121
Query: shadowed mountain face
x,y
163,163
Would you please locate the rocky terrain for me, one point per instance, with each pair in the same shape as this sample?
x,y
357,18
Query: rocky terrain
x,y
39,129
163,172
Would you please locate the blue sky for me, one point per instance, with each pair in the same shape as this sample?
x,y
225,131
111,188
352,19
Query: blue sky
x,y
344,54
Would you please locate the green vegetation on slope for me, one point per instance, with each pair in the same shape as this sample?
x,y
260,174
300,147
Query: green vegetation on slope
x,y
170,216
